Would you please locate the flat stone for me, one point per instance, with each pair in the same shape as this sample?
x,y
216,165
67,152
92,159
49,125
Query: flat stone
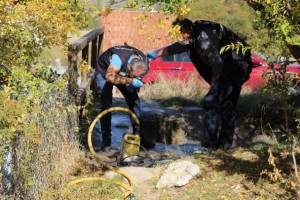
x,y
178,174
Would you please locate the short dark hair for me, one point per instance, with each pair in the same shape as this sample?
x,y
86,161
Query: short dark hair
x,y
184,23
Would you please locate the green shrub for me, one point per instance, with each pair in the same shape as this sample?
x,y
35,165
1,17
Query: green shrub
x,y
39,123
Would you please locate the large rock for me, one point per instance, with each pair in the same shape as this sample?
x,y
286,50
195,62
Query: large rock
x,y
178,174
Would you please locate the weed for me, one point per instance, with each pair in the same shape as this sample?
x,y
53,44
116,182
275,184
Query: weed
x,y
176,92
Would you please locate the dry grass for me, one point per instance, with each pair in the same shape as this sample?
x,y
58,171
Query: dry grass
x,y
190,92
42,166
234,175
193,89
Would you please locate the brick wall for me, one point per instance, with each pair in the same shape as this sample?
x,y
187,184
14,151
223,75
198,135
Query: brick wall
x,y
128,26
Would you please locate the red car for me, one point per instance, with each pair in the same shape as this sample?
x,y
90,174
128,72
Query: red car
x,y
179,66
256,81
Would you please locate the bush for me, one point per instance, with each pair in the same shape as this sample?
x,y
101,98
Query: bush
x,y
39,130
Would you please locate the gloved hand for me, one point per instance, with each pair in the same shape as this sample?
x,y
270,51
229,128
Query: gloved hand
x,y
151,55
137,83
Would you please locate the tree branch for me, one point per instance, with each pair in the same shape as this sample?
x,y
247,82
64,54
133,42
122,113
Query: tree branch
x,y
295,51
288,5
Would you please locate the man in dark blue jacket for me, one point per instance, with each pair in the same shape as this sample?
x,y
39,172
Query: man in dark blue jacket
x,y
122,66
225,73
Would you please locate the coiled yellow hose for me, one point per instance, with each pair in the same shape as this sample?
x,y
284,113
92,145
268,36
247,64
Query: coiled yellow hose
x,y
129,187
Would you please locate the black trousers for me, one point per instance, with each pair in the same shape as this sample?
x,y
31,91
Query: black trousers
x,y
220,104
105,90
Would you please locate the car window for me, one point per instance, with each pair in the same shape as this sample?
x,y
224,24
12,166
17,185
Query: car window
x,y
169,58
182,57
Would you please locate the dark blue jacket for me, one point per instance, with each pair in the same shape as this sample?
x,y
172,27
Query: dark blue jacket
x,y
124,52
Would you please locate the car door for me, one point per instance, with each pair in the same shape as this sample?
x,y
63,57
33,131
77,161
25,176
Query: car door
x,y
177,66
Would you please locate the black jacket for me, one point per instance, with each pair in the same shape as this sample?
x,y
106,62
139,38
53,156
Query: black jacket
x,y
207,40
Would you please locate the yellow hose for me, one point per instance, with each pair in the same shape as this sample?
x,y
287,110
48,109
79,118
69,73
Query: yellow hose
x,y
129,187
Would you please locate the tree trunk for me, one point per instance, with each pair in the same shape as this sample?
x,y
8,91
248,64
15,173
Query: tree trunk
x,y
295,51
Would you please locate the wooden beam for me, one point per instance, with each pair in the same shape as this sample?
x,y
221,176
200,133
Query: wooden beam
x,y
94,37
87,38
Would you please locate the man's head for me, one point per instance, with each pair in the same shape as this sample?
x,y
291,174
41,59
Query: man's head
x,y
185,27
137,68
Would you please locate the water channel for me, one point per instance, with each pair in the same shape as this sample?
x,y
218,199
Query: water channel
x,y
121,124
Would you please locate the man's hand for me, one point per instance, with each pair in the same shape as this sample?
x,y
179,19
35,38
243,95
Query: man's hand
x,y
151,55
137,83
113,77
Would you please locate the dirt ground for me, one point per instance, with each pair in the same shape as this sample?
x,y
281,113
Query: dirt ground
x,y
240,173
258,167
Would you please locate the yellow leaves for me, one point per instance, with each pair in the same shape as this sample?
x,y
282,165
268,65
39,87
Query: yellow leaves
x,y
182,11
223,197
85,68
21,118
105,11
175,33
293,185
131,3
12,129
60,109
143,18
6,94
101,12
35,24
161,24
12,115
151,39
142,32
148,25
276,174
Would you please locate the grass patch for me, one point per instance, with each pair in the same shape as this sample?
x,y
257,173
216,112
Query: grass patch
x,y
175,92
94,190
236,174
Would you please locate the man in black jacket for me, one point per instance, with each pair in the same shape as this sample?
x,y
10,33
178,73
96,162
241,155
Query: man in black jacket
x,y
225,73
122,66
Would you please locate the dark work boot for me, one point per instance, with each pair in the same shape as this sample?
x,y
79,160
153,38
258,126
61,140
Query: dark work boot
x,y
106,143
106,140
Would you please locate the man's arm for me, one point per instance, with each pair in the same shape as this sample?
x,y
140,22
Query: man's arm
x,y
113,77
112,73
157,53
162,52
174,48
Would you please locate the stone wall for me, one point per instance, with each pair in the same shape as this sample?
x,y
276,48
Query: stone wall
x,y
137,29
